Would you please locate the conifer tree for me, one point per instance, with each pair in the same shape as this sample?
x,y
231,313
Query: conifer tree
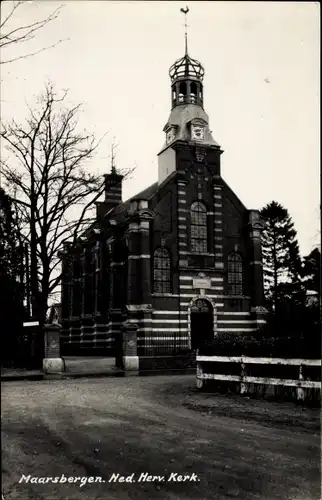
x,y
312,270
281,256
313,305
11,278
9,240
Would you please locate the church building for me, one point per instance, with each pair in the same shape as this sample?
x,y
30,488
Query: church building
x,y
159,275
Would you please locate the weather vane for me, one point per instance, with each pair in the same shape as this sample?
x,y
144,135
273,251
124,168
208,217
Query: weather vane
x,y
185,12
113,149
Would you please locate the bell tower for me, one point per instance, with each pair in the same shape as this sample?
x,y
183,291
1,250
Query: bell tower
x,y
186,77
188,121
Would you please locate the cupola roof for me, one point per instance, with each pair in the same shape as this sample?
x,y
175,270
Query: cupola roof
x,y
186,68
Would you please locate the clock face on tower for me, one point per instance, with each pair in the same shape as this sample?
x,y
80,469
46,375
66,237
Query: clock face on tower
x,y
170,135
197,133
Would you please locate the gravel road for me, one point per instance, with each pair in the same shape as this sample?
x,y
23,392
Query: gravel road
x,y
153,438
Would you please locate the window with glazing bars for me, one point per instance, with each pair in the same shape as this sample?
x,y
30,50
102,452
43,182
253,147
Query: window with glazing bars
x,y
161,271
235,274
198,228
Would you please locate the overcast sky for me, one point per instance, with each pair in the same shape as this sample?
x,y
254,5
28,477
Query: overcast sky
x,y
261,88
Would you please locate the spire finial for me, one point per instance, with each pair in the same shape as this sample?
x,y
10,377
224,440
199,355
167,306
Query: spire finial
x,y
185,12
113,149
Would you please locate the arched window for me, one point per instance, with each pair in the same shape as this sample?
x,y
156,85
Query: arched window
x,y
183,88
198,228
193,92
201,305
161,271
182,91
235,274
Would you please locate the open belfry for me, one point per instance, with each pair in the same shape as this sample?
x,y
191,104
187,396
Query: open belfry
x,y
159,275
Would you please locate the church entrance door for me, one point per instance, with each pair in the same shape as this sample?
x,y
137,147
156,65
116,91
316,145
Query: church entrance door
x,y
202,323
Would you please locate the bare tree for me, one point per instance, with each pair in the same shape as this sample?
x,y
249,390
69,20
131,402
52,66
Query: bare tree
x,y
53,189
11,35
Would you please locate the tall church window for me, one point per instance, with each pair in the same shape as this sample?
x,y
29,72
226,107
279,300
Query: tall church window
x,y
161,271
235,274
198,228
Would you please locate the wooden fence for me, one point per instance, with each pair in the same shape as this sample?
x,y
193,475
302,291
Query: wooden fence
x,y
301,383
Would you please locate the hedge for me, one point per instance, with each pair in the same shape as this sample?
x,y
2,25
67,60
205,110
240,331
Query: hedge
x,y
233,344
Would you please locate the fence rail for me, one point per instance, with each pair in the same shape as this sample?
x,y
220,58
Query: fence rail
x,y
170,345
300,384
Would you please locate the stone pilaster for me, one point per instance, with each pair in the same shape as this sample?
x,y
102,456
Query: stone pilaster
x,y
139,257
130,359
104,296
139,282
96,277
97,319
133,290
256,226
86,328
52,362
102,342
144,232
103,324
86,280
74,334
65,257
145,332
75,302
218,223
71,278
118,268
116,318
183,215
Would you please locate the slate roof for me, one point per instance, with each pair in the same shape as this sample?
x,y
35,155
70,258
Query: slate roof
x,y
145,194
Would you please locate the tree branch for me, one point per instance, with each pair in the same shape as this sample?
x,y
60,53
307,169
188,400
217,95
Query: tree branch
x,y
24,33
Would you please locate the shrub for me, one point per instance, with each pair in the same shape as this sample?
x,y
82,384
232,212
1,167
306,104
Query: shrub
x,y
259,345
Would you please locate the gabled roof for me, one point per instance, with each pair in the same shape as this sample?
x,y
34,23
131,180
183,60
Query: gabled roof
x,y
147,193
119,211
232,195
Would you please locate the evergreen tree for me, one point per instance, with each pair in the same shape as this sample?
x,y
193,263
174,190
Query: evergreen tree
x,y
11,286
9,238
312,286
281,256
312,271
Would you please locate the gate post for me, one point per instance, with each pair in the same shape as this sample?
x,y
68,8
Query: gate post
x,y
200,382
52,362
243,386
300,391
130,359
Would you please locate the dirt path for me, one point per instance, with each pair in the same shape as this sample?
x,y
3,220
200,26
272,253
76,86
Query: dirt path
x,y
154,425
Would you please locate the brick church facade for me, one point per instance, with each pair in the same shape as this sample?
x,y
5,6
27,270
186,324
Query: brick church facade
x,y
160,274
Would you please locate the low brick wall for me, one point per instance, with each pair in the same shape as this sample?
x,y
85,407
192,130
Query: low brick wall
x,y
168,363
75,349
